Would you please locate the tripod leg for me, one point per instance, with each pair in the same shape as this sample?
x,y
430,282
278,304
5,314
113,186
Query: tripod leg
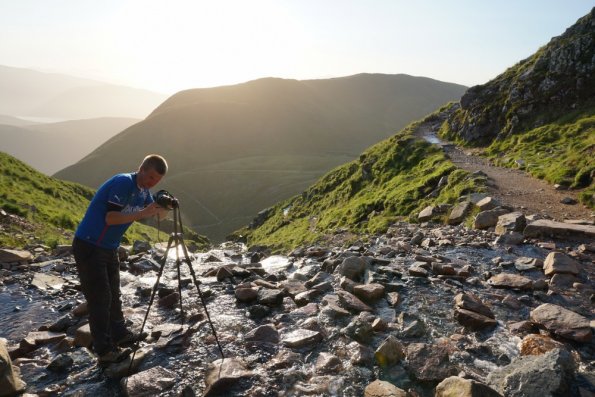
x,y
142,327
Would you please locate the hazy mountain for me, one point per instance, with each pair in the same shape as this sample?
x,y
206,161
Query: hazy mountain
x,y
51,147
15,121
237,149
29,93
539,114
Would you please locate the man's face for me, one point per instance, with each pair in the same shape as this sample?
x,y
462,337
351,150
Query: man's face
x,y
147,178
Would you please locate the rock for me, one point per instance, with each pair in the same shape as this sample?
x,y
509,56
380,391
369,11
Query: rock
x,y
547,228
536,344
489,218
224,374
270,297
459,212
8,256
426,214
512,222
151,382
353,268
562,322
390,352
562,282
61,363
347,284
429,362
81,310
568,201
418,269
44,281
547,375
443,269
509,238
263,334
525,263
82,336
455,386
223,273
37,338
393,298
474,321
301,338
369,292
284,359
360,354
140,246
359,328
471,302
508,280
246,295
352,303
10,380
487,203
328,363
559,263
120,370
381,388
169,301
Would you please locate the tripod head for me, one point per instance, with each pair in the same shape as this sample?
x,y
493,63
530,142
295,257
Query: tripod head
x,y
166,200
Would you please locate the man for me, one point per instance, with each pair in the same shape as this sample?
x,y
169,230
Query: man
x,y
121,200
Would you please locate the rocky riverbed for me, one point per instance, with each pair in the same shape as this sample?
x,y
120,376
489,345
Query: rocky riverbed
x,y
423,310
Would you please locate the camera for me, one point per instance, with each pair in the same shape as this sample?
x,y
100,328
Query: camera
x,y
165,199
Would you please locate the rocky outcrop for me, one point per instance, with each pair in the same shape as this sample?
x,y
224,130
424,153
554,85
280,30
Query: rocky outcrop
x,y
10,381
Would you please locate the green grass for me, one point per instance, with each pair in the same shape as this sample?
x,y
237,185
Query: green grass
x,y
390,182
50,208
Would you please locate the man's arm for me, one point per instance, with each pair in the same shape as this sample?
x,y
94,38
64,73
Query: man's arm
x,y
118,218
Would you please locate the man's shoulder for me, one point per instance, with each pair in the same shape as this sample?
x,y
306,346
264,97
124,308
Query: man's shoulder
x,y
125,179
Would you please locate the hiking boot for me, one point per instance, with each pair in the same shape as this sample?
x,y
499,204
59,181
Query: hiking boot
x,y
114,356
130,337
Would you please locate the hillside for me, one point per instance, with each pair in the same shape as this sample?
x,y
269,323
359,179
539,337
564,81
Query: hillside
x,y
38,208
237,149
53,146
52,96
539,115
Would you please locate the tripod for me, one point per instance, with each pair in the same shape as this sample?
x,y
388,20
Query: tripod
x,y
176,241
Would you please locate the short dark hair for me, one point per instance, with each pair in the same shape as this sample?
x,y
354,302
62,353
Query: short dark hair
x,y
155,162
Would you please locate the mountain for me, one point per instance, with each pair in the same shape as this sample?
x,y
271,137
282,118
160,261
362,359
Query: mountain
x,y
38,208
31,94
53,146
237,149
540,114
10,120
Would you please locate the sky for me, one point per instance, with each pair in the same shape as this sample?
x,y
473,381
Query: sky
x,y
168,46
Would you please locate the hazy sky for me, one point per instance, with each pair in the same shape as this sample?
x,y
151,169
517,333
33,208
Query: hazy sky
x,y
168,46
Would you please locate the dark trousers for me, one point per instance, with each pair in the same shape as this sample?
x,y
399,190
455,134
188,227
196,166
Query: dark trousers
x,y
99,274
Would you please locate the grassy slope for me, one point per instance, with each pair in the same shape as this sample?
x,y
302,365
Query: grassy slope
x,y
50,206
391,180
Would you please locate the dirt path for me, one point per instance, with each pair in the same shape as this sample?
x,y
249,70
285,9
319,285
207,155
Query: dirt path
x,y
514,187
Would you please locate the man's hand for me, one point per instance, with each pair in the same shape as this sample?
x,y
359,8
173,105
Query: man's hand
x,y
154,209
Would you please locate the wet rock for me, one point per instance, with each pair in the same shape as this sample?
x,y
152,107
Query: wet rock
x,y
390,352
455,386
151,382
347,284
359,329
9,256
352,303
353,268
419,269
381,388
82,336
474,321
63,323
509,238
509,280
44,281
360,354
415,329
535,344
393,298
81,310
223,273
120,370
522,327
328,363
169,301
140,247
305,298
302,338
270,297
263,334
562,282
429,362
318,278
10,380
459,212
547,375
443,269
369,292
38,338
471,302
61,363
547,228
559,263
246,295
525,263
562,322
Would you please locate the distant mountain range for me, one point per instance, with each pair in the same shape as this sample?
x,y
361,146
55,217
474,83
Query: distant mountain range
x,y
56,97
235,150
53,146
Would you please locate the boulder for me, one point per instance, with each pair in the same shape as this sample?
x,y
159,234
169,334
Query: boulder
x,y
360,354
429,362
547,228
151,382
459,212
246,295
471,302
509,280
559,263
369,292
352,303
263,334
224,374
473,321
381,388
487,203
353,268
562,322
328,363
390,352
9,256
512,222
82,336
270,297
535,344
427,213
302,338
10,380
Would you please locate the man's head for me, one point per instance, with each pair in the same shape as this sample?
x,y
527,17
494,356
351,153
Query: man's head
x,y
151,170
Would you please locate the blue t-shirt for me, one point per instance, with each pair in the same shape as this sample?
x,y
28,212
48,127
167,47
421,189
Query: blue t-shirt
x,y
119,193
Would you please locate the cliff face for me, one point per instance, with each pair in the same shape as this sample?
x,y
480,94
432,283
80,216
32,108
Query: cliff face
x,y
558,79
